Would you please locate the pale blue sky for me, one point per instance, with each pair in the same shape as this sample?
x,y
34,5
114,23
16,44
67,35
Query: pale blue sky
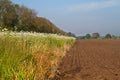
x,y
79,16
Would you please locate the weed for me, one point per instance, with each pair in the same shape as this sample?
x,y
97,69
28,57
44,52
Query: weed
x,y
31,56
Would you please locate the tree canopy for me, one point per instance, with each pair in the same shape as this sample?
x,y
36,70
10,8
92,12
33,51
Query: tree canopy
x,y
17,18
108,36
96,35
88,36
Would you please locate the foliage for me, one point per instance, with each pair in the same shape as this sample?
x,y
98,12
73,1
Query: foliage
x,y
71,34
95,35
115,37
88,36
31,56
45,26
80,37
21,18
108,36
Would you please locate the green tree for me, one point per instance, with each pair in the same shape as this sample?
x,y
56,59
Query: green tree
x,y
8,16
88,36
71,34
108,36
81,37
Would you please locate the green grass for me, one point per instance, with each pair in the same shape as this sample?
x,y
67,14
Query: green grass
x,y
31,56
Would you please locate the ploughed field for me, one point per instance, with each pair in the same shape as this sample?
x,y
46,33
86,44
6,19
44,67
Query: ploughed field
x,y
91,60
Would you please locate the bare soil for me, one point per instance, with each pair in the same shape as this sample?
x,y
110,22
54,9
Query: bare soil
x,y
91,60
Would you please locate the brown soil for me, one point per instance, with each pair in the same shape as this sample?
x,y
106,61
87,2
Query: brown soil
x,y
91,60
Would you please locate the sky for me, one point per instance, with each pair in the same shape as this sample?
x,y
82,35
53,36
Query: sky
x,y
79,16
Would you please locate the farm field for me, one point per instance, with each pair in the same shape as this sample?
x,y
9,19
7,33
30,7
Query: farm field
x,y
91,60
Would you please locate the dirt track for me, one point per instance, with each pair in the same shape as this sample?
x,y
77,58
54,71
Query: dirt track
x,y
92,60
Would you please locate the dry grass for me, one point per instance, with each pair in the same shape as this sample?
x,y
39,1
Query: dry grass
x,y
31,56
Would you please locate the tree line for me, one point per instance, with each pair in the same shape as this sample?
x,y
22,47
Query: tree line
x,y
16,18
98,36
94,36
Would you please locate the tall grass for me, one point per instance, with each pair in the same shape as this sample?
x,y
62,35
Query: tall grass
x,y
31,56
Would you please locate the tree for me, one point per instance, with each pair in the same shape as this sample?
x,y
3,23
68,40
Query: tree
x,y
8,16
26,19
81,37
88,36
95,35
108,36
46,26
17,18
114,37
13,14
71,34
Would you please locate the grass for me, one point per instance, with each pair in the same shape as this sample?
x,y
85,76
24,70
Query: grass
x,y
31,56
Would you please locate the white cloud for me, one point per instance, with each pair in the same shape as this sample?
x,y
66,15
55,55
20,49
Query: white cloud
x,y
93,5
